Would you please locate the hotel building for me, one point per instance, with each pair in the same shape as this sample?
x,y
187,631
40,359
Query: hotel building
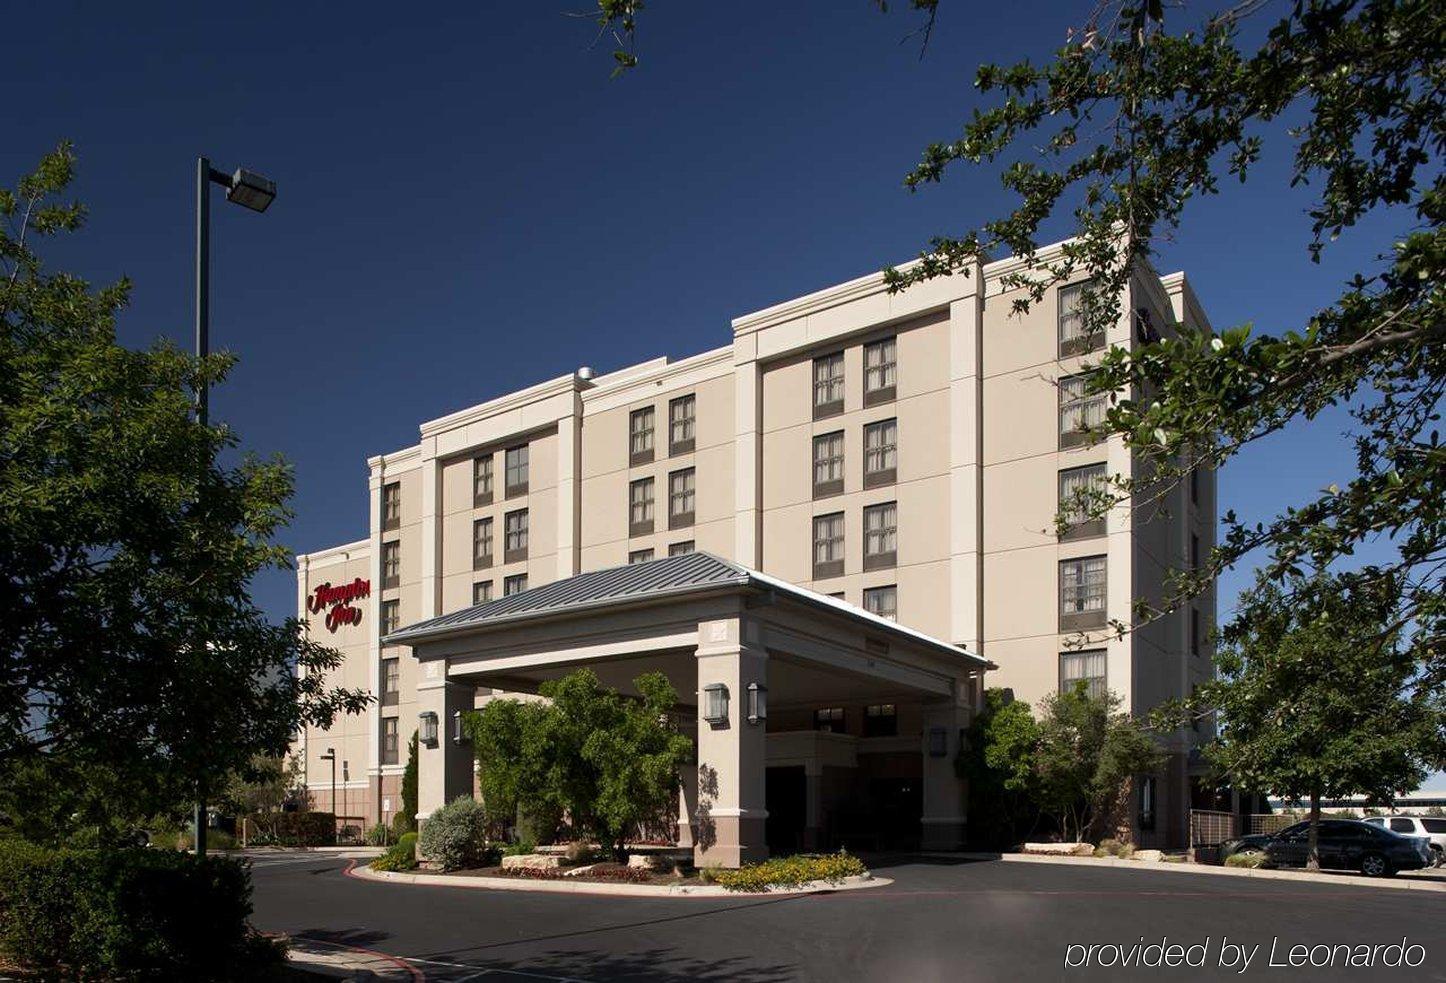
x,y
904,454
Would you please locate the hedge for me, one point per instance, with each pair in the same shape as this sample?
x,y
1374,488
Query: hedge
x,y
128,914
401,855
454,837
787,872
297,828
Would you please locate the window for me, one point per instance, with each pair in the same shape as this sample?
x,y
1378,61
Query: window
x,y
1402,825
482,480
389,741
881,720
1082,593
639,556
881,536
1194,552
828,465
882,601
1078,410
1434,825
879,372
828,385
482,544
680,549
640,436
482,592
682,429
1147,803
1073,339
1086,667
391,682
515,584
881,446
391,616
830,719
682,498
391,564
1194,631
516,475
515,547
392,505
640,507
1195,485
1079,493
828,545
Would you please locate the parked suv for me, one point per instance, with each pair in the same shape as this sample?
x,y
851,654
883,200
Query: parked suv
x,y
1349,844
1431,827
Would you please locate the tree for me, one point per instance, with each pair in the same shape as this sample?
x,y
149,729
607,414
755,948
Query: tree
x,y
268,784
997,760
1315,696
1087,755
129,642
405,821
1127,125
610,762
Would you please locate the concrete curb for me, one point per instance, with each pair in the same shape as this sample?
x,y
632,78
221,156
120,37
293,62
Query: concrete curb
x,y
1400,882
610,890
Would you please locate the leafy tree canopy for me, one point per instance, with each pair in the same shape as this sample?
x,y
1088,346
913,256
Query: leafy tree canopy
x,y
129,643
1087,756
611,763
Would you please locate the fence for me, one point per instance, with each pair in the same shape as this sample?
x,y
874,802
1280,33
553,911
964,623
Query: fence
x,y
1208,827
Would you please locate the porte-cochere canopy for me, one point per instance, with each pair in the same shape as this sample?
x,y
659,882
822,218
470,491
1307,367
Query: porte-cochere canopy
x,y
861,721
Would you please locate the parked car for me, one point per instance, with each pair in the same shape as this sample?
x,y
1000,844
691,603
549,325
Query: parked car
x,y
1349,844
1249,846
1431,827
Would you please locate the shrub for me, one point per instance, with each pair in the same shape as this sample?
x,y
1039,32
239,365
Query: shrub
x,y
580,852
379,835
788,872
455,836
518,849
1111,847
216,839
1251,860
297,828
126,914
401,855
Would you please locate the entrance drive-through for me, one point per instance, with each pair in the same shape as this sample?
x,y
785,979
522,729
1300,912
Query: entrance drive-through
x,y
816,723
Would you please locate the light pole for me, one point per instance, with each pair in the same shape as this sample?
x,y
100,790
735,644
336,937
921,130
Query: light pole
x,y
256,193
330,755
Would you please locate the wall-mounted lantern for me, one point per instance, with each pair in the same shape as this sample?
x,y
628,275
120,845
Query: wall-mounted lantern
x,y
427,728
715,704
458,734
938,742
757,703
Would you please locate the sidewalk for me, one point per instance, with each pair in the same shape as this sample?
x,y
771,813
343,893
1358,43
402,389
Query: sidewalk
x,y
1418,880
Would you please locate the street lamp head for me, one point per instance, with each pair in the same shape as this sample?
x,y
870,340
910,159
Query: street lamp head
x,y
252,190
330,755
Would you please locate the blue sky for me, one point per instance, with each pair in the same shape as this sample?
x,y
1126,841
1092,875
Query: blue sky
x,y
468,204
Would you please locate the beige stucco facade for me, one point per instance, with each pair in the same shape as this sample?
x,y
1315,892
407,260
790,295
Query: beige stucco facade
x,y
975,485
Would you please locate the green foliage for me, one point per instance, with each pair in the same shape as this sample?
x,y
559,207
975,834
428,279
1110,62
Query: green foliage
x,y
129,642
401,855
266,784
997,760
127,914
1111,847
216,839
379,835
520,848
454,837
1250,860
296,828
788,872
1315,694
1088,753
405,821
609,762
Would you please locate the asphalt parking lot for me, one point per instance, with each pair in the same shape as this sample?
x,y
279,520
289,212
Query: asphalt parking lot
x,y
940,920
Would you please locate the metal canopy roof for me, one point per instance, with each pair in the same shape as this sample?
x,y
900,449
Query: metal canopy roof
x,y
689,573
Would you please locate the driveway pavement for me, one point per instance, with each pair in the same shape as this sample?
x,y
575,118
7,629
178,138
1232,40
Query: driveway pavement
x,y
941,919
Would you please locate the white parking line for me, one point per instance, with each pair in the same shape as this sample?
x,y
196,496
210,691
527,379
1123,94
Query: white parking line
x,y
491,969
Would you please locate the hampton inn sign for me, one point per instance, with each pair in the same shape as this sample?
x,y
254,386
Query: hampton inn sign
x,y
337,602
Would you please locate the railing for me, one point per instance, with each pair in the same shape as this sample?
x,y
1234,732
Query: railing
x,y
1208,827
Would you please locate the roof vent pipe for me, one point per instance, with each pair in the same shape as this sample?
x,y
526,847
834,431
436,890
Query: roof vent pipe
x,y
584,373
